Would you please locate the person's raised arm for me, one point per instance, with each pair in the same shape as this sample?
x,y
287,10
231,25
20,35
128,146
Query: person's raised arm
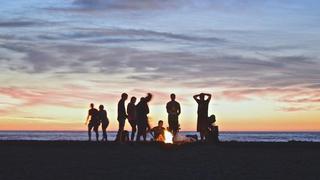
x,y
196,97
209,97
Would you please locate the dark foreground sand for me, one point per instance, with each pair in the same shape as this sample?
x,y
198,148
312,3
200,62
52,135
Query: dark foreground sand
x,y
95,161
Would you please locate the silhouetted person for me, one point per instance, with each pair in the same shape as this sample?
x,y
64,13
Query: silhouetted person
x,y
93,122
131,110
158,132
173,110
142,117
103,117
212,134
122,115
203,105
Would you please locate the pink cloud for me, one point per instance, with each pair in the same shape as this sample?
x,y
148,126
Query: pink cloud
x,y
294,99
68,97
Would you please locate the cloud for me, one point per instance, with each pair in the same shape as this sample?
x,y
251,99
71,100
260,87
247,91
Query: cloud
x,y
21,23
203,69
298,108
35,59
291,99
16,24
121,35
88,6
242,76
68,97
121,5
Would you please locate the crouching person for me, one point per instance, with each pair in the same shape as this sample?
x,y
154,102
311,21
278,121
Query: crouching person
x,y
212,134
158,132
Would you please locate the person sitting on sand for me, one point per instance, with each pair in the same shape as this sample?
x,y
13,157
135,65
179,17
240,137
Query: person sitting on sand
x,y
202,120
158,132
212,134
131,111
104,122
93,122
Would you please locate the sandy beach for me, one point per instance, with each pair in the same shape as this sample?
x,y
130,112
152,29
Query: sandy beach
x,y
228,160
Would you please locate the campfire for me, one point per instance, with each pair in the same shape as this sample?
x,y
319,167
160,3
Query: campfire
x,y
168,137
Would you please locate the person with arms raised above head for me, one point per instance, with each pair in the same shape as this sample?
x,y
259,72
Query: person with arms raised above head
x,y
93,122
173,110
202,120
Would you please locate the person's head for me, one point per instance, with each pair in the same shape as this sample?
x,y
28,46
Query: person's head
x,y
212,119
160,123
133,99
173,97
124,96
91,105
101,107
202,96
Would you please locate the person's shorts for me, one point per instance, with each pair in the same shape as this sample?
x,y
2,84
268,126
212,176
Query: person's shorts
x,y
105,124
94,125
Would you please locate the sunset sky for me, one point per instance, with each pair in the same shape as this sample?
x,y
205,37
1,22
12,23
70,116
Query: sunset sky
x,y
259,58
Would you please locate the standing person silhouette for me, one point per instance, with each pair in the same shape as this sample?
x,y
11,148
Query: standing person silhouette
x,y
122,115
173,110
131,111
103,117
93,122
142,117
203,105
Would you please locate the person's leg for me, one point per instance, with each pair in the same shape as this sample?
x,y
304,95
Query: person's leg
x,y
144,133
97,132
105,136
170,123
201,135
121,129
104,126
175,125
144,136
138,134
133,131
89,130
104,133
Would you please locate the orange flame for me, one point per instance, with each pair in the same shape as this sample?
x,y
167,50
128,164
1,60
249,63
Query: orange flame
x,y
168,137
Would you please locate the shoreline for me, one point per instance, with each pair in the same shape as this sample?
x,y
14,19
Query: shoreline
x,y
152,142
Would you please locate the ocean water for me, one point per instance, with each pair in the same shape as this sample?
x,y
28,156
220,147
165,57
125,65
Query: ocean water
x,y
224,136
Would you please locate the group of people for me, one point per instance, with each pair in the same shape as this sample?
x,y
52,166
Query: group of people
x,y
137,115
